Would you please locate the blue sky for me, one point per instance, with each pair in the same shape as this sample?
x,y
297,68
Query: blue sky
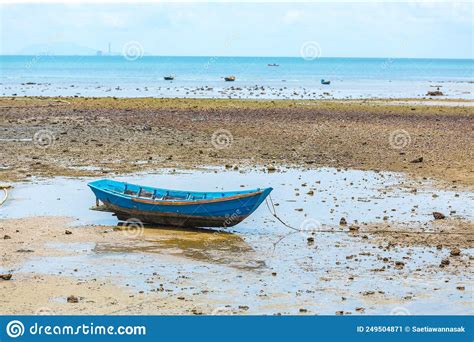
x,y
394,29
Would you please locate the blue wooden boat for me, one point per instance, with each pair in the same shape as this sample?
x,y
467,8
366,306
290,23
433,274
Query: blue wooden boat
x,y
323,81
174,207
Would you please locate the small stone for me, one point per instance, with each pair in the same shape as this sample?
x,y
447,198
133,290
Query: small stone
x,y
399,265
271,168
444,262
455,251
274,274
438,216
310,239
6,276
7,237
417,160
72,299
354,228
68,232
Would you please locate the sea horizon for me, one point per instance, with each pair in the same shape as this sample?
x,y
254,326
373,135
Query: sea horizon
x,y
233,56
137,75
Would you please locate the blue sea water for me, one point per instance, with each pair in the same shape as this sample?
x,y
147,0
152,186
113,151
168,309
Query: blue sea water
x,y
203,76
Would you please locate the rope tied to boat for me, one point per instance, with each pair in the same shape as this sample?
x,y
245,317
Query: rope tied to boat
x,y
274,214
383,231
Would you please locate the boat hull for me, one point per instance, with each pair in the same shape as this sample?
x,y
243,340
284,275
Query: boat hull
x,y
212,211
173,219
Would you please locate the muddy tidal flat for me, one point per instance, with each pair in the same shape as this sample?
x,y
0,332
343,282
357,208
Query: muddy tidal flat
x,y
364,181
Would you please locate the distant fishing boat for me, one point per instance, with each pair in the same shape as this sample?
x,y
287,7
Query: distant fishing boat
x,y
174,207
325,82
169,78
273,65
229,78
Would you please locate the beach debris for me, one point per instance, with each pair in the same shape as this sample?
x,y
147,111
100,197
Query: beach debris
x,y
6,276
417,160
6,237
230,78
72,299
353,228
444,263
342,221
303,310
435,93
243,307
274,274
399,265
438,216
24,250
310,240
460,288
340,313
360,309
271,168
68,232
455,251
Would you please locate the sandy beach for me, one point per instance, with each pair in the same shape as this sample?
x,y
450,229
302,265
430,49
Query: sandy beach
x,y
385,166
95,136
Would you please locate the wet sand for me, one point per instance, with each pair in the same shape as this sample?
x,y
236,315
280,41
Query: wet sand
x,y
392,256
96,136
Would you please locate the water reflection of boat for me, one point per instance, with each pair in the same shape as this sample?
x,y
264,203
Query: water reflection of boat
x,y
169,78
229,78
177,208
204,245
